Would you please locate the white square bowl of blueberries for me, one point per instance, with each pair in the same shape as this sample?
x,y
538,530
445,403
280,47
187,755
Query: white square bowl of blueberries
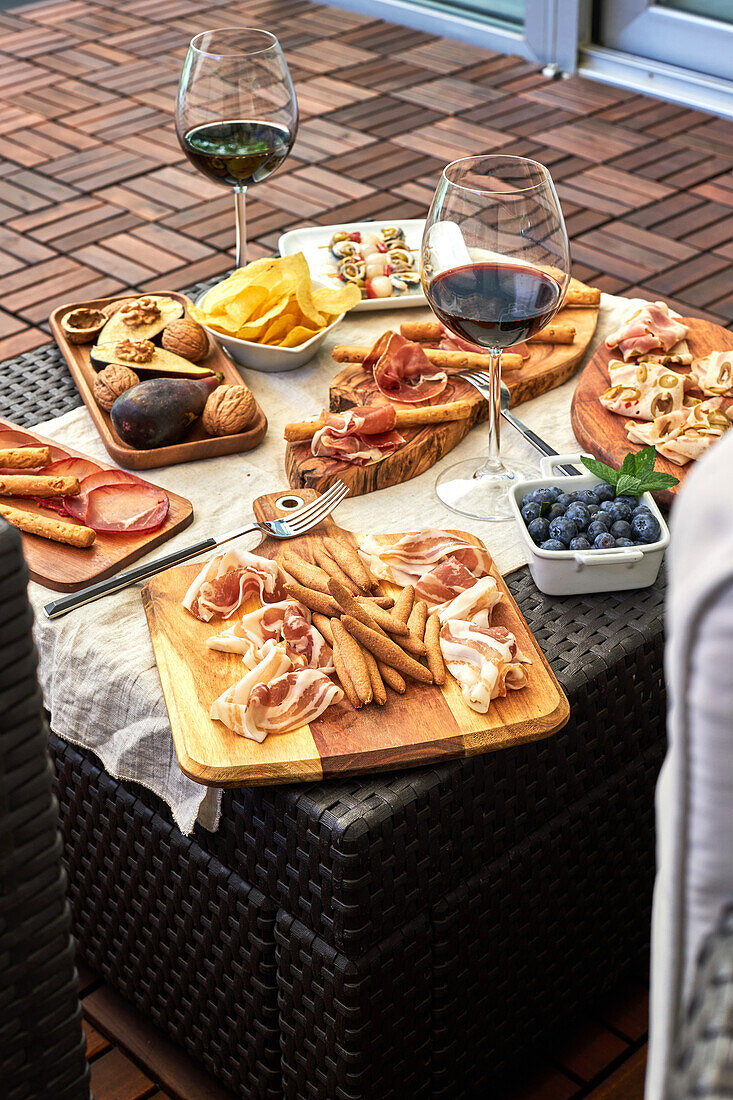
x,y
582,537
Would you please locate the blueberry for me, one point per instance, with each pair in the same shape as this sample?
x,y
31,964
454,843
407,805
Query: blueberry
x,y
563,529
548,495
621,510
528,498
597,527
604,492
641,508
530,511
538,529
552,544
564,500
580,542
644,528
587,496
626,498
555,510
607,506
624,542
594,509
604,541
579,514
621,529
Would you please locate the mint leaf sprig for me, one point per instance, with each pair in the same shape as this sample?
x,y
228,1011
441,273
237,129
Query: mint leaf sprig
x,y
636,474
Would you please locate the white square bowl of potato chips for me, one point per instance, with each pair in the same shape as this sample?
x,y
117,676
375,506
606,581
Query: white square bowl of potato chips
x,y
270,315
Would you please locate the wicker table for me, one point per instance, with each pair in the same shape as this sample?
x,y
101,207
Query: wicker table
x,y
405,935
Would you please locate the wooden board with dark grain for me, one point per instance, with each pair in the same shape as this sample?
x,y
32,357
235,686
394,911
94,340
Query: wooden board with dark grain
x,y
196,443
548,366
426,724
69,568
602,433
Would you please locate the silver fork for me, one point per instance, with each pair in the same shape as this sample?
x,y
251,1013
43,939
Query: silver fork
x,y
482,381
297,523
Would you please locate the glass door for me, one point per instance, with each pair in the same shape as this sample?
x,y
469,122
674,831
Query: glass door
x,y
689,34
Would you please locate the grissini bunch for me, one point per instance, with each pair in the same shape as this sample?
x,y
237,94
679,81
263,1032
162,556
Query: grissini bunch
x,y
301,430
445,360
427,332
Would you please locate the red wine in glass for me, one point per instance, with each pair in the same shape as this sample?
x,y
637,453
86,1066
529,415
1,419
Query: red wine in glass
x,y
494,305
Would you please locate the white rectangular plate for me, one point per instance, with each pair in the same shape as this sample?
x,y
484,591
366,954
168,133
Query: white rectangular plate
x,y
312,241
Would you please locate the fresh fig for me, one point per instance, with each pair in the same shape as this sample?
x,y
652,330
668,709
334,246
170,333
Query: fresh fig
x,y
160,411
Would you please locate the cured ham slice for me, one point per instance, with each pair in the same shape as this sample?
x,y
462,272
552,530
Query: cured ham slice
x,y
486,661
250,634
222,584
686,436
643,391
714,374
288,702
648,329
304,640
230,708
109,477
121,508
474,604
402,370
409,558
360,435
444,581
658,430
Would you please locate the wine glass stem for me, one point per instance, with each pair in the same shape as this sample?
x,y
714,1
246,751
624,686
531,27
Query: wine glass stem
x,y
240,195
493,462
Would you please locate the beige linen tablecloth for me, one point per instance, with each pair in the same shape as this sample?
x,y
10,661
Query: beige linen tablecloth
x,y
96,666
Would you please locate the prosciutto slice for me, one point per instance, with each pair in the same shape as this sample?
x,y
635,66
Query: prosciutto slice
x,y
120,508
249,635
643,391
360,435
648,329
410,557
474,604
486,661
714,374
304,640
402,370
444,581
223,584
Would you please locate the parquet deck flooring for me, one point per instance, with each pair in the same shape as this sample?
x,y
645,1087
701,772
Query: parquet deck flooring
x,y
96,196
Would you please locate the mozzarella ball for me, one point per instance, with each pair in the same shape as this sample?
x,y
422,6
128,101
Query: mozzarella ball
x,y
370,238
368,250
381,286
375,265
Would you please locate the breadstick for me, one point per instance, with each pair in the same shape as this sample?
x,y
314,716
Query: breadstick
x,y
353,659
418,618
316,601
379,601
384,649
379,692
391,677
343,674
446,360
403,603
309,575
36,485
57,530
349,560
386,619
348,603
323,624
331,566
426,332
301,430
24,458
435,656
580,295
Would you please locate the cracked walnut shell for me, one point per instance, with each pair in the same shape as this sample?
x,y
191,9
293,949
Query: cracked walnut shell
x,y
135,351
229,409
111,382
143,311
186,338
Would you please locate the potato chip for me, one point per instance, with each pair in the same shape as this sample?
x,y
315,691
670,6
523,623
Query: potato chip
x,y
298,335
336,300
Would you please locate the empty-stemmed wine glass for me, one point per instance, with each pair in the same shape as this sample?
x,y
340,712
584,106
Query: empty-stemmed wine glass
x,y
495,269
236,112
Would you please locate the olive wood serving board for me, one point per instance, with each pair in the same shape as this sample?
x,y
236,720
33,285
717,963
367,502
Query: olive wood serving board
x,y
196,443
425,724
68,568
548,366
602,433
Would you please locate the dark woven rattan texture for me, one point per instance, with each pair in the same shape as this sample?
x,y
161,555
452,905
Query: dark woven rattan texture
x,y
178,934
42,1047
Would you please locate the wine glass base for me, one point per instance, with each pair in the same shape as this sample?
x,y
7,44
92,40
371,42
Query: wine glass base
x,y
480,494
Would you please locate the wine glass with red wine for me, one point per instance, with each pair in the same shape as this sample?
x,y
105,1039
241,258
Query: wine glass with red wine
x,y
236,112
495,269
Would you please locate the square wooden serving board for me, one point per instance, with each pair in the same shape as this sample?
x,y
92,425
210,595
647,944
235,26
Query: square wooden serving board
x,y
425,724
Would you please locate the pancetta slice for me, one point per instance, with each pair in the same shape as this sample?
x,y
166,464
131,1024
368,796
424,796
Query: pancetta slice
x,y
474,604
486,661
222,584
230,708
288,702
649,329
410,557
360,435
643,390
304,640
402,370
249,635
714,374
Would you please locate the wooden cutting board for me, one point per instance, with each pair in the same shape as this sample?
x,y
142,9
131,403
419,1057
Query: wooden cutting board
x,y
425,724
602,433
196,443
548,366
68,568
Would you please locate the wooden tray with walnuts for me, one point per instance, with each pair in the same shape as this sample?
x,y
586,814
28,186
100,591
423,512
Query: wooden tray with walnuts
x,y
158,388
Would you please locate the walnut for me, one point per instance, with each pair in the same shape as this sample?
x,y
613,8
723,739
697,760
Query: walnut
x,y
229,409
186,338
143,311
135,351
111,382
83,325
